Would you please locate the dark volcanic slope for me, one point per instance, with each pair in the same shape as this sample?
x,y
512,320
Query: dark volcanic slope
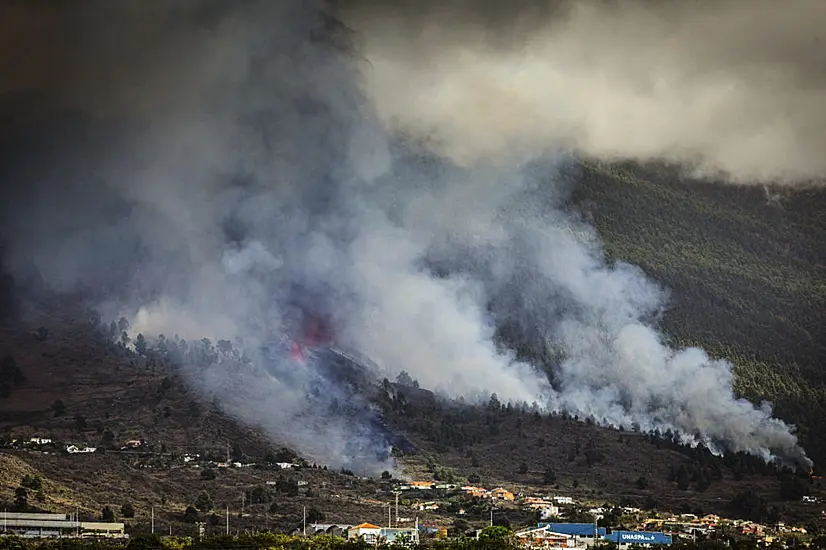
x,y
63,360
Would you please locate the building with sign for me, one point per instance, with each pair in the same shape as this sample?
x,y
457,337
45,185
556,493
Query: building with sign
x,y
624,539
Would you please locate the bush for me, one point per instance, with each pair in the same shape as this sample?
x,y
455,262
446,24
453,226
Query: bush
x,y
203,503
190,515
314,516
107,514
145,542
126,510
58,408
32,482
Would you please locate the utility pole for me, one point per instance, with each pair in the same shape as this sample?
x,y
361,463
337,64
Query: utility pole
x,y
304,522
397,507
77,520
227,520
153,519
389,521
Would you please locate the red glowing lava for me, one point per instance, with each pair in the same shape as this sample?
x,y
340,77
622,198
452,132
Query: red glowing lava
x,y
315,332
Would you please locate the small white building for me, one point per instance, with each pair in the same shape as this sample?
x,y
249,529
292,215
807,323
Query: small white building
x,y
76,449
373,534
548,512
369,532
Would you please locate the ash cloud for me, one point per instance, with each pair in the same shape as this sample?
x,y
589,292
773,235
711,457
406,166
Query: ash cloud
x,y
221,170
732,89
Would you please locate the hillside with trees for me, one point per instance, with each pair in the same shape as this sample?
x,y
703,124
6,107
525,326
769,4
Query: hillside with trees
x,y
746,271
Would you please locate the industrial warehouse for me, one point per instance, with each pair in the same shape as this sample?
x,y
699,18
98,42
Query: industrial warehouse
x,y
584,535
46,525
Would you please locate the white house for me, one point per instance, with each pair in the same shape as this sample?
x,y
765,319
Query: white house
x,y
369,532
75,449
373,534
548,512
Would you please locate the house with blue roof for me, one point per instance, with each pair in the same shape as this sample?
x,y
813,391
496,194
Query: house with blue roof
x,y
624,539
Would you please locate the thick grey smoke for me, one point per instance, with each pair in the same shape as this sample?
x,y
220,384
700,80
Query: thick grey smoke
x,y
229,177
735,88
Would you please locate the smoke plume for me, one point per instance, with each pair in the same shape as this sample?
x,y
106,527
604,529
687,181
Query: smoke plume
x,y
222,171
732,88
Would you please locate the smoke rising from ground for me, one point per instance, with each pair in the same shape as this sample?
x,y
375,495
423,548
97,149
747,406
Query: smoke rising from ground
x,y
230,177
733,88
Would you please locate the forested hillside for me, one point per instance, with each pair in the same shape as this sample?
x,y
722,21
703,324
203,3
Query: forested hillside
x,y
746,270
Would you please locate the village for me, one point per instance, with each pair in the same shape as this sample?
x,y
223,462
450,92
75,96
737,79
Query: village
x,y
559,521
635,526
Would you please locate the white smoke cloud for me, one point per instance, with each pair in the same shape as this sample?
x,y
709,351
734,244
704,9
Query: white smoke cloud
x,y
728,86
545,267
260,181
